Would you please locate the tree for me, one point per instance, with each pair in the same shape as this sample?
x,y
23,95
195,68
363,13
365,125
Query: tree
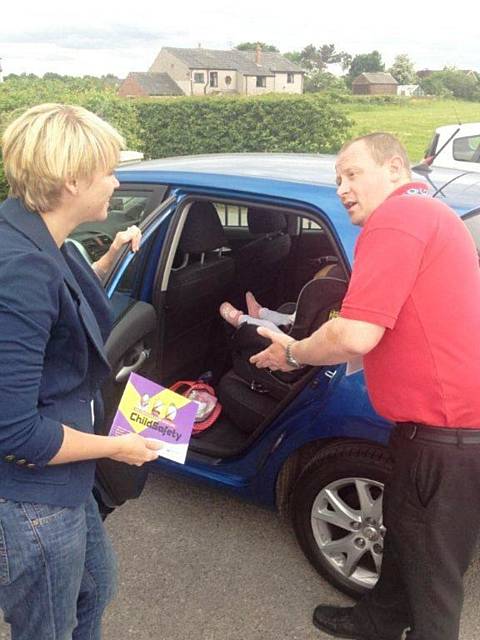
x,y
452,82
313,59
324,81
402,70
365,63
251,46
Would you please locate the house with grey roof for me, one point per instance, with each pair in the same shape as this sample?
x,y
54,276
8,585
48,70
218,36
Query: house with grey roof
x,y
371,84
209,71
145,84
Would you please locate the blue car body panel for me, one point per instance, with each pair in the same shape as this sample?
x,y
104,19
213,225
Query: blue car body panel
x,y
332,405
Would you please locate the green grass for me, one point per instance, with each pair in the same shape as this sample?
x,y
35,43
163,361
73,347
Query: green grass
x,y
413,121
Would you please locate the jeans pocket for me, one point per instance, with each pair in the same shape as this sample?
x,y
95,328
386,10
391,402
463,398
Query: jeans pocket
x,y
39,513
4,565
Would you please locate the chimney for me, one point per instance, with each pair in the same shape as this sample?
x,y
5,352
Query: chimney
x,y
199,45
258,54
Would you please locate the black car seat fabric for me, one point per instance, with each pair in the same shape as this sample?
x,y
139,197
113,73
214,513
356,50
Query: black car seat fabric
x,y
243,406
196,288
318,301
259,263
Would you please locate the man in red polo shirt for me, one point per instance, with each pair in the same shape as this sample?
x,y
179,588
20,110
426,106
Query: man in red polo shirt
x,y
412,310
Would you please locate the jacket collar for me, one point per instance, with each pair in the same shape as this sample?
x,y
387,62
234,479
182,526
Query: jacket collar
x,y
32,226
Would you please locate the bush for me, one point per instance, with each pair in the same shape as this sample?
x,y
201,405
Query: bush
x,y
272,123
186,126
452,82
18,93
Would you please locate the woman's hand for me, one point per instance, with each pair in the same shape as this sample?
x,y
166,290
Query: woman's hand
x,y
132,235
136,450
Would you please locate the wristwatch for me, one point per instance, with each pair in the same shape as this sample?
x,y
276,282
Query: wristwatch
x,y
290,358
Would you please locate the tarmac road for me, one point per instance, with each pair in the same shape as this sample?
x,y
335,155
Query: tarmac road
x,y
196,564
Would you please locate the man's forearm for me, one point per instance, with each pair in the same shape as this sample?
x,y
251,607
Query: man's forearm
x,y
338,340
324,346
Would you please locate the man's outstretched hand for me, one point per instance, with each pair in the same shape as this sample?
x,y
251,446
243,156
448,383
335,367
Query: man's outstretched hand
x,y
273,357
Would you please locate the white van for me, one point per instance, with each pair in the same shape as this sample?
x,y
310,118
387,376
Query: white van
x,y
455,146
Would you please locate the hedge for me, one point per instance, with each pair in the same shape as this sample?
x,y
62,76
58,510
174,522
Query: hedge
x,y
184,126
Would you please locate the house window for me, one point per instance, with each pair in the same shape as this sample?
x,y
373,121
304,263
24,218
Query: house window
x,y
199,77
228,80
261,81
213,78
290,78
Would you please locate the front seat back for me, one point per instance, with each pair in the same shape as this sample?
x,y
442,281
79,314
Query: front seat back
x,y
197,286
259,263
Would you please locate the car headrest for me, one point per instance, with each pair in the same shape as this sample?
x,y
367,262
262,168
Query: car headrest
x,y
265,221
203,230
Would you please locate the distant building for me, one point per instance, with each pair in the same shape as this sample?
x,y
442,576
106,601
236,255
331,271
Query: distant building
x,y
210,71
370,84
141,84
410,90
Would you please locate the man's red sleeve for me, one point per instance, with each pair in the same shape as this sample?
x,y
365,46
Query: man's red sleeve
x,y
386,266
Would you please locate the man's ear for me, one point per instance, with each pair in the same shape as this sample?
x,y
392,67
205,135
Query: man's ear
x,y
397,168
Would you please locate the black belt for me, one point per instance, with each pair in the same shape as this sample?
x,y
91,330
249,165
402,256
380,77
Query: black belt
x,y
445,435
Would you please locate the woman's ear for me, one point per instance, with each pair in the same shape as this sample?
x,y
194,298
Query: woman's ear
x,y
71,187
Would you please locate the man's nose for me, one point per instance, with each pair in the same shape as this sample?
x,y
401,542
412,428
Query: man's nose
x,y
342,189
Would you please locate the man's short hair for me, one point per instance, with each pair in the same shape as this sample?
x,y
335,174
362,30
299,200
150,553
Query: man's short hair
x,y
382,146
51,144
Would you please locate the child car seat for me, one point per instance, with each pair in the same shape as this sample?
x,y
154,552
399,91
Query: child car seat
x,y
318,301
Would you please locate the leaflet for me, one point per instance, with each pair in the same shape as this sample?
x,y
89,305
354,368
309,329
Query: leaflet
x,y
153,411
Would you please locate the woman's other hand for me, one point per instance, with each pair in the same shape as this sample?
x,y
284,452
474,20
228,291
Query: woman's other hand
x,y
132,235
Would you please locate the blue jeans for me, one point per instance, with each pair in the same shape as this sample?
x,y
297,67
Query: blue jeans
x,y
57,570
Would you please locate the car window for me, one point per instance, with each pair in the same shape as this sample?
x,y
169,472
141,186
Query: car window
x,y
467,149
125,208
231,215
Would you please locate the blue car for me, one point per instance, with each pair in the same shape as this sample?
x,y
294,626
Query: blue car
x,y
310,445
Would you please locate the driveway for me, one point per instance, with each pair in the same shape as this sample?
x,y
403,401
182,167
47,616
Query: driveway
x,y
196,564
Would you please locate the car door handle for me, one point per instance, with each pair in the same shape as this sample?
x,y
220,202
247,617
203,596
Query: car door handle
x,y
124,372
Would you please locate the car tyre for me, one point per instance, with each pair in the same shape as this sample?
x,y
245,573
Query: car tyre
x,y
336,511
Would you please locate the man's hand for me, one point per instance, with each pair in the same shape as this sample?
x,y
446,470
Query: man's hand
x,y
273,357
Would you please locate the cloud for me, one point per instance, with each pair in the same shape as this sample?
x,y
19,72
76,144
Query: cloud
x,y
112,37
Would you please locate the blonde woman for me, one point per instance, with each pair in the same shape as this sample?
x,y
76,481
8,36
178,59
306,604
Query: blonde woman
x,y
56,565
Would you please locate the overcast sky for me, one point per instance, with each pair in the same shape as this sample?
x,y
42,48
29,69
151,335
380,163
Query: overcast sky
x,y
97,37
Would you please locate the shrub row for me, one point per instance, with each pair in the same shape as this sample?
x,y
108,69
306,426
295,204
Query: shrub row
x,y
184,126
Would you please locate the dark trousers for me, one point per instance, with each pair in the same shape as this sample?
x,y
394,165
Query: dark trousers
x,y
432,514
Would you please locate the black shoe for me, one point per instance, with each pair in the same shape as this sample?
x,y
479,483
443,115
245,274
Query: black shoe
x,y
339,623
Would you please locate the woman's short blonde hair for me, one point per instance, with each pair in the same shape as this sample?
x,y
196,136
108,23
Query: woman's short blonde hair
x,y
51,144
